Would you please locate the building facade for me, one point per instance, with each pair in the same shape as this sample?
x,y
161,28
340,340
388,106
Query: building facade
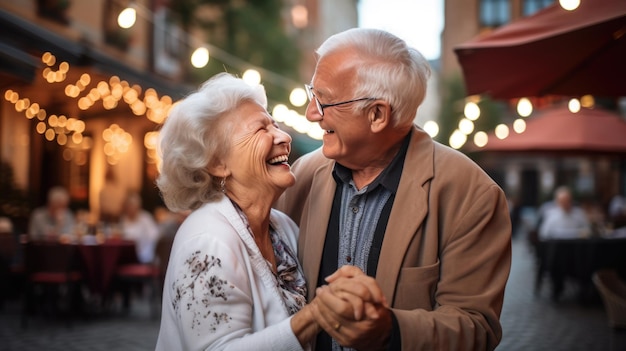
x,y
528,180
82,97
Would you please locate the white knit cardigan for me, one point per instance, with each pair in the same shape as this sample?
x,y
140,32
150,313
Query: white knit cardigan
x,y
219,292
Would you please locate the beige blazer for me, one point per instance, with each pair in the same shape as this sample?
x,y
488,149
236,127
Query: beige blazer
x,y
446,254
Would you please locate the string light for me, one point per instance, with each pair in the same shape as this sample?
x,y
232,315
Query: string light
x,y
432,128
203,51
298,97
466,126
481,139
524,107
457,139
251,77
569,5
519,126
574,105
200,57
502,131
471,110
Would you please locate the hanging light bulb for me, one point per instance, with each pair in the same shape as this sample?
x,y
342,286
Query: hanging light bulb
x,y
524,107
466,126
574,105
457,139
200,57
432,128
127,18
298,97
569,5
519,126
502,131
471,111
251,77
480,139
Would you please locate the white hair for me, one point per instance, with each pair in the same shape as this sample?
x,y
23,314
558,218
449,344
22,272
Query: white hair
x,y
193,138
391,70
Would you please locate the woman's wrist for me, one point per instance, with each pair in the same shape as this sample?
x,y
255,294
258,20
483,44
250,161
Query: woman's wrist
x,y
304,325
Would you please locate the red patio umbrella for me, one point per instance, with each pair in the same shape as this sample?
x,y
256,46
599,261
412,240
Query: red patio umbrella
x,y
557,130
553,52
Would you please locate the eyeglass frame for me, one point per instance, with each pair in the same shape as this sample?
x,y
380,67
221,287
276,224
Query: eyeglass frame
x,y
320,107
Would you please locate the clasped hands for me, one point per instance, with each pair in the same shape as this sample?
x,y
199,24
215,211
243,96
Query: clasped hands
x,y
353,310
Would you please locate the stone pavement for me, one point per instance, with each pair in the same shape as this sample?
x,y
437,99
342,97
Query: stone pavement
x,y
536,322
530,322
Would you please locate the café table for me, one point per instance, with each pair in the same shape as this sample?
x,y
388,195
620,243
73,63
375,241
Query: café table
x,y
578,259
101,260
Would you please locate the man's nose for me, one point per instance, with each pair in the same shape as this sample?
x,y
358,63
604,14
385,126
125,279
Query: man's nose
x,y
312,114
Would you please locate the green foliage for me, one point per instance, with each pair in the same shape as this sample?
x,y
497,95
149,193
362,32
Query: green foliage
x,y
252,31
491,114
453,103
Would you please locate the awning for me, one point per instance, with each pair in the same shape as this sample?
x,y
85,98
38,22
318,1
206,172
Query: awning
x,y
557,130
553,52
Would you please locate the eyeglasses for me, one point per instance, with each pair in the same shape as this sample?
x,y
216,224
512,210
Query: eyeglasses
x,y
321,107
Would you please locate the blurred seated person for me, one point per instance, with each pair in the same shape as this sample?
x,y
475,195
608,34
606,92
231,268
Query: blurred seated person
x,y
564,221
595,215
617,211
53,220
111,198
139,226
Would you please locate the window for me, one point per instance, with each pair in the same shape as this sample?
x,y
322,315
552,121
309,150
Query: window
x,y
494,13
54,10
529,7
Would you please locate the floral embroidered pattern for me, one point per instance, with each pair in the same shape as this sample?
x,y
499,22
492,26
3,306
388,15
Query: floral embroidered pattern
x,y
289,277
199,280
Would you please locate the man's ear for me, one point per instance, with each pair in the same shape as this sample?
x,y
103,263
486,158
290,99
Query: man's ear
x,y
379,116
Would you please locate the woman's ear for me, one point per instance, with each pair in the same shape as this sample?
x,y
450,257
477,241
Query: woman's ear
x,y
379,116
219,169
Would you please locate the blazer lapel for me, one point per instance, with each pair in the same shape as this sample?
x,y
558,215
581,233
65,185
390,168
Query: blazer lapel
x,y
408,212
316,224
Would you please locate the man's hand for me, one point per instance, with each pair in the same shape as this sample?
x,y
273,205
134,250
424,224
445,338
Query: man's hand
x,y
353,310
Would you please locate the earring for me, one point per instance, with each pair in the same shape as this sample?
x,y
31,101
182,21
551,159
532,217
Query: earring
x,y
223,185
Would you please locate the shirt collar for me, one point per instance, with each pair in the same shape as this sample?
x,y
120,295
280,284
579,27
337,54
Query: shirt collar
x,y
389,177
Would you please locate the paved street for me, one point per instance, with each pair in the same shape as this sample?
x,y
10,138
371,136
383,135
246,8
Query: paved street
x,y
530,322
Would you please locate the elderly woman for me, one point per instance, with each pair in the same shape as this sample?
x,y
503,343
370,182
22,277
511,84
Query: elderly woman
x,y
233,280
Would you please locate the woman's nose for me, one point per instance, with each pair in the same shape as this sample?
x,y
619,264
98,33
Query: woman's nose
x,y
281,136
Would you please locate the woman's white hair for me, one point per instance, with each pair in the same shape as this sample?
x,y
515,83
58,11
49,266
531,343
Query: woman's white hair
x,y
195,136
391,70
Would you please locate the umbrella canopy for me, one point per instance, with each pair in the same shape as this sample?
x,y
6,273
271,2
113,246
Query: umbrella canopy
x,y
557,130
553,52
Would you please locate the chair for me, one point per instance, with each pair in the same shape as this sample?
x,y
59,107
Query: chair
x,y
8,254
148,274
162,251
130,272
52,280
612,290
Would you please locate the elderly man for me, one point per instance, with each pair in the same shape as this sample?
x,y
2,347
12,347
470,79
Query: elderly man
x,y
54,219
419,233
564,220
